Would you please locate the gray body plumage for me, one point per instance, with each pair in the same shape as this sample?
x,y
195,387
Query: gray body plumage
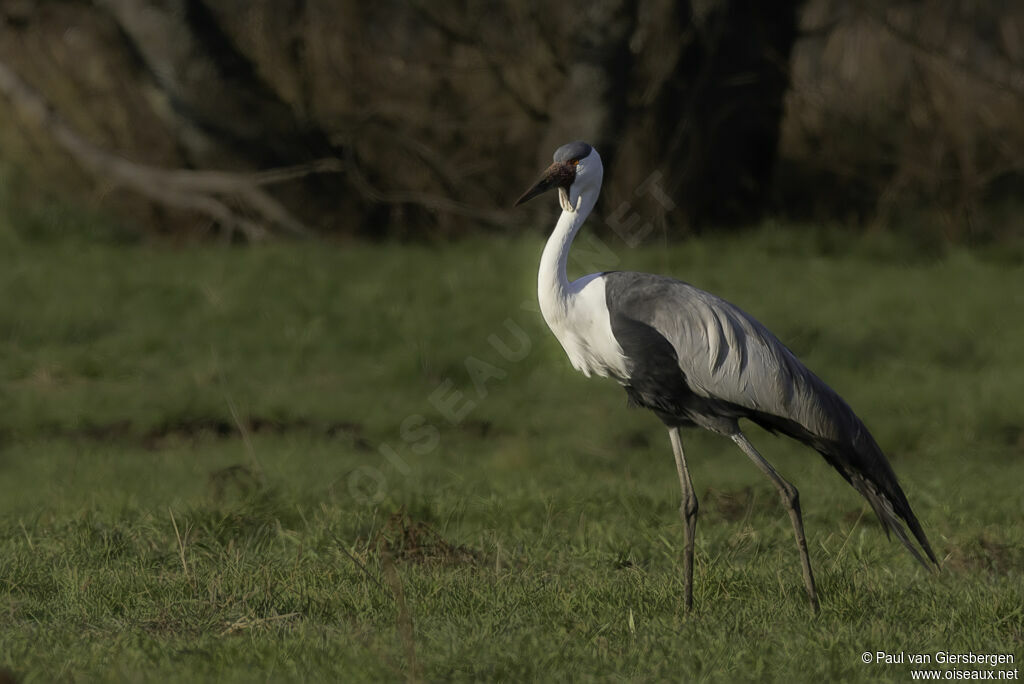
x,y
695,359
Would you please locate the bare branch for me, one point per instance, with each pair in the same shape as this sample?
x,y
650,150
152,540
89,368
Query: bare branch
x,y
204,192
426,200
913,40
496,68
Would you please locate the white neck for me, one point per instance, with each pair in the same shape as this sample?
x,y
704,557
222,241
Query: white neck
x,y
552,278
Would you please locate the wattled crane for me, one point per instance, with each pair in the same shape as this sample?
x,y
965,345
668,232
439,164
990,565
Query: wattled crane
x,y
697,360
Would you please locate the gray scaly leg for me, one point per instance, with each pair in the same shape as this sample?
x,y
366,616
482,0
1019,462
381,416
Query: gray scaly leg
x,y
688,511
791,500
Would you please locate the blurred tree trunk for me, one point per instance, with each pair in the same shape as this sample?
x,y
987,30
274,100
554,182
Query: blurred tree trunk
x,y
712,126
737,106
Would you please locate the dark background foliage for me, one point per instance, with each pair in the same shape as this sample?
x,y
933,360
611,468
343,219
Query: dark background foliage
x,y
419,119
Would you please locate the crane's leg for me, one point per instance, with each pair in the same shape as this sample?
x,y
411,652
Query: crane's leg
x,y
688,512
791,500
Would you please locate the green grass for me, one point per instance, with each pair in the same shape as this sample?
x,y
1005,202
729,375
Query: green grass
x,y
195,482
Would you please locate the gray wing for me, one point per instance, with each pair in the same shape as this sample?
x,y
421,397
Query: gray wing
x,y
725,354
696,358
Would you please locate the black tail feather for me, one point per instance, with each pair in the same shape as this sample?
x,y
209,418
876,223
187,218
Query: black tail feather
x,y
860,461
887,513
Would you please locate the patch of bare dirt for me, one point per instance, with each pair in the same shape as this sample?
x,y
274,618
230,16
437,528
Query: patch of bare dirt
x,y
984,554
737,504
403,538
634,439
190,430
240,478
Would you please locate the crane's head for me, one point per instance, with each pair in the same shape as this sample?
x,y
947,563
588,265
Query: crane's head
x,y
577,169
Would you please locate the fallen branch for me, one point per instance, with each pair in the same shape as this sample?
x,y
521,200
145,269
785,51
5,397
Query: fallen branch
x,y
236,201
438,203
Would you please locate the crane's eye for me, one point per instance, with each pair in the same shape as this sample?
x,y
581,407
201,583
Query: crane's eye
x,y
574,162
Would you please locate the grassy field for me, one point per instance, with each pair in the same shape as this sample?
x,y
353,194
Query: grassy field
x,y
305,462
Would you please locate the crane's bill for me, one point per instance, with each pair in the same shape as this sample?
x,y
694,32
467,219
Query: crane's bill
x,y
558,175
